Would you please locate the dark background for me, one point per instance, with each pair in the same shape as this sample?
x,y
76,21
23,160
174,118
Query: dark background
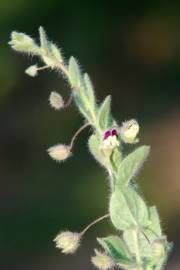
x,y
131,50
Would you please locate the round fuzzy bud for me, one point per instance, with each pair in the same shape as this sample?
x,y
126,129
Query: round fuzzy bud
x,y
56,100
59,152
32,71
129,131
68,242
102,261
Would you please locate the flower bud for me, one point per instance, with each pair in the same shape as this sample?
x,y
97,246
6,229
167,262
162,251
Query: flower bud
x,y
56,101
59,152
32,71
158,248
102,261
68,242
129,131
110,141
23,43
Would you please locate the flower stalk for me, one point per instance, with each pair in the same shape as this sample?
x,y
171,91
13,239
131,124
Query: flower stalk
x,y
139,242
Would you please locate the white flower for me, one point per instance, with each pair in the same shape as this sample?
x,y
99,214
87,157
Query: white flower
x,y
59,152
67,241
102,261
110,141
56,101
129,131
32,71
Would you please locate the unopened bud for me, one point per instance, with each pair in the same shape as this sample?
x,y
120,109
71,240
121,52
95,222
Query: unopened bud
x,y
32,71
56,100
158,248
102,261
129,131
59,152
67,241
23,43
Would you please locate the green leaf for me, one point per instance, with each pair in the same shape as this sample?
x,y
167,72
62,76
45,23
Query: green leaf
x,y
116,249
128,210
155,225
43,38
116,158
94,147
89,90
74,73
143,244
131,165
81,106
104,116
56,52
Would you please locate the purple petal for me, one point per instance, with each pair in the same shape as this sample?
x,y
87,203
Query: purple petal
x,y
114,133
107,134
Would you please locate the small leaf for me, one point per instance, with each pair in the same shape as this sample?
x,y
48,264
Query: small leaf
x,y
56,52
89,89
104,116
52,56
74,73
81,106
48,60
155,226
116,249
131,165
43,38
94,147
128,210
143,243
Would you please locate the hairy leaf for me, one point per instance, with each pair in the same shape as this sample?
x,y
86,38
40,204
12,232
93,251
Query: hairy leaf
x,y
131,165
43,38
104,116
116,249
74,72
94,147
89,90
155,225
128,210
56,52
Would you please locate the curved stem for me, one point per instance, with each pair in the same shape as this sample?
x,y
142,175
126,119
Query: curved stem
x,y
42,68
69,101
93,223
77,133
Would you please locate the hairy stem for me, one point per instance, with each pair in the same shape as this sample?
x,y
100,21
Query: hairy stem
x,y
136,244
77,133
93,223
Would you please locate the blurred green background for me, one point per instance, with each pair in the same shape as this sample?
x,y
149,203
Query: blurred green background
x,y
131,49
